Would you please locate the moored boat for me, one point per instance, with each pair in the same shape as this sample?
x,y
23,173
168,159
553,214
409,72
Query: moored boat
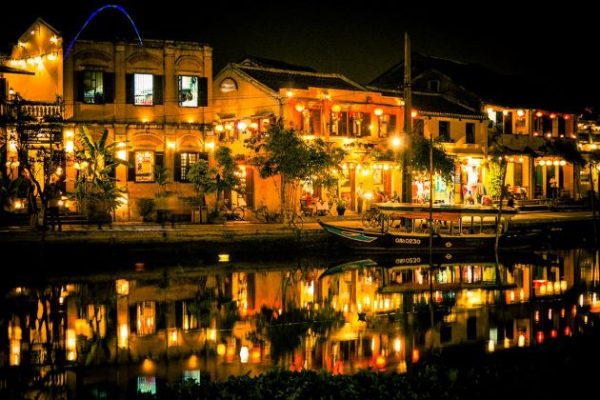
x,y
404,227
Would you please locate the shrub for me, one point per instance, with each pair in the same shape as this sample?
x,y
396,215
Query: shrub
x,y
145,208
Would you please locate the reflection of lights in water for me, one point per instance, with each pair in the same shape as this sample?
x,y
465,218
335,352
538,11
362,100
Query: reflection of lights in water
x,y
244,354
506,343
491,346
521,341
415,355
397,345
540,337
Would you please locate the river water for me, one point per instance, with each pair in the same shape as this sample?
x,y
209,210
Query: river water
x,y
133,329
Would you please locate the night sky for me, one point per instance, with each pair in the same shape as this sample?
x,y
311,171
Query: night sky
x,y
555,45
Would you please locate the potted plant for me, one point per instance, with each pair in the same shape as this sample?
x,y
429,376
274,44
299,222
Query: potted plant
x,y
340,206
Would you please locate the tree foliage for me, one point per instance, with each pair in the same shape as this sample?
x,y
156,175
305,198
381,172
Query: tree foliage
x,y
417,157
284,153
96,188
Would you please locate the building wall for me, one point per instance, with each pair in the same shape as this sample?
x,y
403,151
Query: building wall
x,y
256,106
38,50
165,128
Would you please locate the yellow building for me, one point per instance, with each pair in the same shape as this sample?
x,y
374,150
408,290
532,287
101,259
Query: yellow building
x,y
538,143
254,93
514,111
154,100
31,106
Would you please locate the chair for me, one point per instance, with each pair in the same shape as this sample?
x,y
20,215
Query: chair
x,y
304,209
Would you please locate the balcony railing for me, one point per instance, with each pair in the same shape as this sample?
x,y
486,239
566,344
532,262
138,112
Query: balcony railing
x,y
33,110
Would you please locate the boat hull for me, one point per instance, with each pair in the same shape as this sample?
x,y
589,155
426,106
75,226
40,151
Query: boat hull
x,y
383,242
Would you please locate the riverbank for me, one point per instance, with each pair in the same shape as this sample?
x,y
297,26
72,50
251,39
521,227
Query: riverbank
x,y
152,243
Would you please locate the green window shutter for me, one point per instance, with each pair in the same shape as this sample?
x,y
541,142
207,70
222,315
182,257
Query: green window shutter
x,y
161,315
157,87
133,318
131,167
109,87
130,87
202,92
159,159
178,177
179,314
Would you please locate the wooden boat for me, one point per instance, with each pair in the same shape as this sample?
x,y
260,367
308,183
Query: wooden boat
x,y
410,274
403,227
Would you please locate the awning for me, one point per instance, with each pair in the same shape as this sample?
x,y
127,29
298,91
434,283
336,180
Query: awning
x,y
9,70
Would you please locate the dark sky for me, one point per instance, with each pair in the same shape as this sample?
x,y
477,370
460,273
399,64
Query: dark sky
x,y
556,45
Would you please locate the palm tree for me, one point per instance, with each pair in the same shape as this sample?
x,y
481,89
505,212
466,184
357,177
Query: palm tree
x,y
96,189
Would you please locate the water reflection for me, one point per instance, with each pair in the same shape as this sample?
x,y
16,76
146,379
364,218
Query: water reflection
x,y
130,332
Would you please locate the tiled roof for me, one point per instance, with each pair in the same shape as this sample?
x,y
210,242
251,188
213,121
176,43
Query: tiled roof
x,y
434,104
488,85
253,61
277,79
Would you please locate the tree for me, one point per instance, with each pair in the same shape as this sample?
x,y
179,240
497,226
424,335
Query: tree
x,y
200,175
96,188
418,157
284,153
225,178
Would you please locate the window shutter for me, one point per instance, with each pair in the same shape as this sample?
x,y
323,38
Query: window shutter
x,y
202,92
179,314
178,177
159,159
109,87
157,87
161,315
133,318
131,167
78,86
130,87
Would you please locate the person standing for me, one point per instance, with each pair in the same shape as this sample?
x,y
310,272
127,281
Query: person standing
x,y
359,198
553,187
53,196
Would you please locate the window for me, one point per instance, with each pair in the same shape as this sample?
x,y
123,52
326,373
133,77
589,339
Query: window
x,y
93,87
433,85
184,161
508,123
518,174
470,132
193,374
143,90
445,333
188,91
189,318
146,318
418,126
561,126
187,159
228,85
444,131
144,166
310,122
146,384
